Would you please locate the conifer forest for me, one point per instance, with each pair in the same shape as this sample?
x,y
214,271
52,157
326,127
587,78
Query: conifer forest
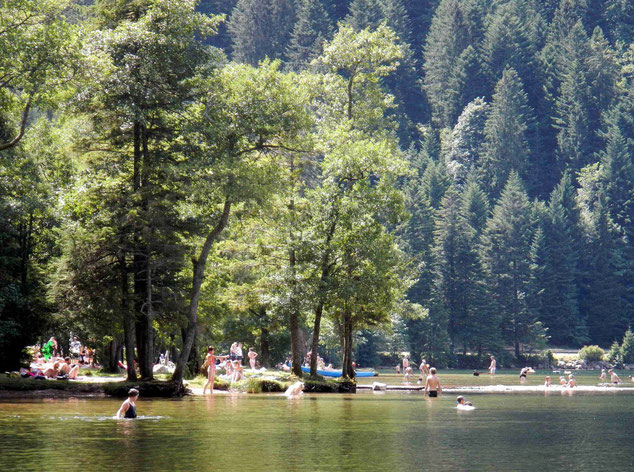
x,y
358,178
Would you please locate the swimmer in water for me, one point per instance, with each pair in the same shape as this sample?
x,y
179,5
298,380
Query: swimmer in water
x,y
128,407
572,382
613,377
547,382
602,376
432,384
461,401
295,389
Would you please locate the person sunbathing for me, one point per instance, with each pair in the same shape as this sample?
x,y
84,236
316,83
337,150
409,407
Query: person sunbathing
x,y
66,368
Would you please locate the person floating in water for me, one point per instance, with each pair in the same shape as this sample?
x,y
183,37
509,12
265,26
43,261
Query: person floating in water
x,y
128,407
462,402
432,384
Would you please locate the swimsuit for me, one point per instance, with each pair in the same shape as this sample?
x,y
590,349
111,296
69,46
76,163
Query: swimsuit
x,y
131,411
433,393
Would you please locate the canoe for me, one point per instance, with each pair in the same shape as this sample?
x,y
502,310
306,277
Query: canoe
x,y
337,373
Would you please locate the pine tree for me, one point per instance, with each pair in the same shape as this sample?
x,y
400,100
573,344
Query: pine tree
x,y
506,254
311,29
337,9
404,83
512,39
506,130
469,79
617,166
260,28
364,14
572,119
435,182
619,19
559,279
447,38
601,295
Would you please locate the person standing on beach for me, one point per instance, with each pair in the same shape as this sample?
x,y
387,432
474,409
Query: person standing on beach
x,y
252,355
492,366
432,384
210,362
405,363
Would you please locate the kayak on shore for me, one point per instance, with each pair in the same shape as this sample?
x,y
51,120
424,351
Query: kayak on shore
x,y
337,373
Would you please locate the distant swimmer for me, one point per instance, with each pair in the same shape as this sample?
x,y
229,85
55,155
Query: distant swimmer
x,y
295,389
613,377
492,366
462,404
408,373
562,381
547,381
572,382
524,372
602,376
432,384
128,407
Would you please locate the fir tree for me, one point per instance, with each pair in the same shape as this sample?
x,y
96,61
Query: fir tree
x,y
559,280
572,119
506,254
506,131
601,295
364,14
311,29
512,39
260,28
447,38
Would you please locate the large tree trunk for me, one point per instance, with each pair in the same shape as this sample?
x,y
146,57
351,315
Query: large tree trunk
x,y
265,354
197,280
348,370
323,282
128,322
111,357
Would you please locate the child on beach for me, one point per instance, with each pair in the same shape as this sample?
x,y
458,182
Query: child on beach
x,y
562,381
547,382
128,407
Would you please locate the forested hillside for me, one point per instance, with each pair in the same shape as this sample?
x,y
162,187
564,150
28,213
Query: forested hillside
x,y
452,178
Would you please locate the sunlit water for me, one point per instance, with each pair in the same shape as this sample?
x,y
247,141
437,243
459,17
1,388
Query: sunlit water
x,y
367,431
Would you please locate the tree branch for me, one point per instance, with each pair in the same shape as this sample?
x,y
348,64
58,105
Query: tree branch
x,y
25,117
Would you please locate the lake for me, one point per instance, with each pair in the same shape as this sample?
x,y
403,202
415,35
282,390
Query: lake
x,y
366,431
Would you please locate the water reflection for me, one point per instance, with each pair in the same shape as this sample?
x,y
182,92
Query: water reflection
x,y
322,432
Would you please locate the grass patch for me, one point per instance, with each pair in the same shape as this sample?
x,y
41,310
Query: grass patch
x,y
324,385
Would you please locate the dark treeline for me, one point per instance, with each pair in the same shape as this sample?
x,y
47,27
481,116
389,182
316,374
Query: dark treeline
x,y
452,178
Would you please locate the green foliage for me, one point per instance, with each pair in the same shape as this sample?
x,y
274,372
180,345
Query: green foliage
x,y
591,353
627,347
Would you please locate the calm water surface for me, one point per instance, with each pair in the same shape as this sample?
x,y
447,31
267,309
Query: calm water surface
x,y
367,431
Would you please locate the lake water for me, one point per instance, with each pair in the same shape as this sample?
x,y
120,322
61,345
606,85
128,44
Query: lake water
x,y
367,431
